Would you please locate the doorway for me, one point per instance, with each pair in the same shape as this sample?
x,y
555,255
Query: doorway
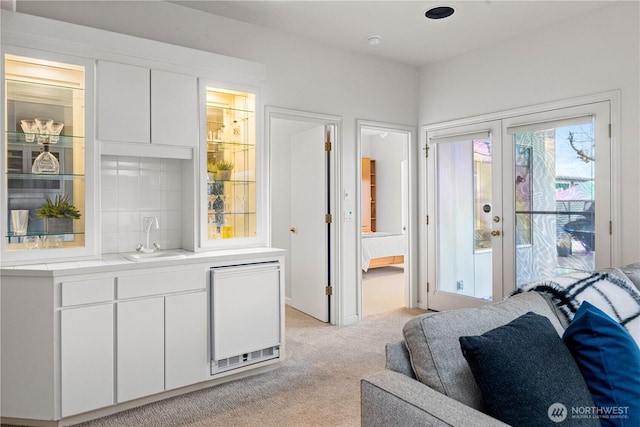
x,y
303,198
384,218
513,200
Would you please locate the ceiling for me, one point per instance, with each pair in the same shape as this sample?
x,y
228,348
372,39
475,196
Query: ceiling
x,y
407,36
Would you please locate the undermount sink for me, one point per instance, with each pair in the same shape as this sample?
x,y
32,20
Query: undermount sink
x,y
153,256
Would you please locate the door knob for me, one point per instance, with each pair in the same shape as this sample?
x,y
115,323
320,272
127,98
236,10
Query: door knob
x,y
495,233
292,229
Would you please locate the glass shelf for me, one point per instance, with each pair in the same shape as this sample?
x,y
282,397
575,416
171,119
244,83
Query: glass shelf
x,y
214,145
10,234
30,88
43,176
65,141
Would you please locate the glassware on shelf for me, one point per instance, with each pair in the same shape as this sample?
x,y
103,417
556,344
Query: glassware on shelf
x,y
30,129
19,221
53,241
236,132
46,163
56,128
44,129
31,242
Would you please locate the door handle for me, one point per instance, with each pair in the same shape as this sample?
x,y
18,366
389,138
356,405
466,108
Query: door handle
x,y
292,229
495,233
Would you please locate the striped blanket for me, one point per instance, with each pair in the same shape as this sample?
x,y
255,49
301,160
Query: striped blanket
x,y
614,295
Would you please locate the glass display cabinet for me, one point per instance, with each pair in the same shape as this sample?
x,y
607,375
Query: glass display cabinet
x,y
231,172
44,156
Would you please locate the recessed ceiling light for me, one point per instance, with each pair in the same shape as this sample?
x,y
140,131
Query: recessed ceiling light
x,y
374,40
439,12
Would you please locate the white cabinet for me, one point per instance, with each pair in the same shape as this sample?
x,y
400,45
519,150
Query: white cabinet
x,y
185,339
161,331
140,348
123,102
79,342
86,355
138,104
174,109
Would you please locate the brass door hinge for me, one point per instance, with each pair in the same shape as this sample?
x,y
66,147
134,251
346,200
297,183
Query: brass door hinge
x,y
428,287
328,290
609,130
426,151
427,220
610,227
327,146
328,218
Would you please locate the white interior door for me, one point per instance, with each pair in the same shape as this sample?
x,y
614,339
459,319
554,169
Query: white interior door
x,y
309,234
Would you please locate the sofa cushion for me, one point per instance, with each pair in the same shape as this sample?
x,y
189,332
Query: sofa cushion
x,y
526,374
609,360
432,340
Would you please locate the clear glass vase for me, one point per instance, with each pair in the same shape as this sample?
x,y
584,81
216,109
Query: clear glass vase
x,y
46,163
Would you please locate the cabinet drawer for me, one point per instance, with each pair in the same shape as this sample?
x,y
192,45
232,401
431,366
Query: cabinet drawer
x,y
87,291
161,283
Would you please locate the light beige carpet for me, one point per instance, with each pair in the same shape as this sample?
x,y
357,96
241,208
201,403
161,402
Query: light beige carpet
x,y
318,384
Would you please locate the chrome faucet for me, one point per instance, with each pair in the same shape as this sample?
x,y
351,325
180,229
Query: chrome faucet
x,y
150,222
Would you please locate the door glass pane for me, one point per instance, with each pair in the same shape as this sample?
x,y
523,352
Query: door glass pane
x,y
45,154
231,164
554,201
464,218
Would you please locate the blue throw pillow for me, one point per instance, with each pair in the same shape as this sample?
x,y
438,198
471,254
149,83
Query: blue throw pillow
x,y
526,374
609,360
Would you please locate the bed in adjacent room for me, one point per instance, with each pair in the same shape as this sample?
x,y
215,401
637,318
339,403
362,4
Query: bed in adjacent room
x,y
380,249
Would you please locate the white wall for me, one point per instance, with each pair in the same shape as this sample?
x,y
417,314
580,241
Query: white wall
x,y
300,75
596,52
388,152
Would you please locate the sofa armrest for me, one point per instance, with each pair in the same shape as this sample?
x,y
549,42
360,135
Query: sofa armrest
x,y
398,359
390,398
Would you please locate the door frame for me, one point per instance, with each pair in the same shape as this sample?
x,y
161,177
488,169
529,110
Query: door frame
x,y
335,237
410,291
613,97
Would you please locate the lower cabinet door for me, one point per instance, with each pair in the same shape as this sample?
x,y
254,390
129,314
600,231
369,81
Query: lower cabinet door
x,y
185,339
140,348
86,345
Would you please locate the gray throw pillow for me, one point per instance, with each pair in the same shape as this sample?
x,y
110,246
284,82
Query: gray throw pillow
x,y
527,376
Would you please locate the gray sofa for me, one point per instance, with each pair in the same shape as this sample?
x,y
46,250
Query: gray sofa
x,y
395,397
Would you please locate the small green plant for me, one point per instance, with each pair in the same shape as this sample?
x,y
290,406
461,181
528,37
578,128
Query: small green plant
x,y
60,208
223,166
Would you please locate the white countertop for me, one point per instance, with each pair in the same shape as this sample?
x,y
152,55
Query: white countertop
x,y
117,262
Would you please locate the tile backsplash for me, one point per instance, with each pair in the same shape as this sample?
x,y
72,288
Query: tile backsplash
x,y
133,188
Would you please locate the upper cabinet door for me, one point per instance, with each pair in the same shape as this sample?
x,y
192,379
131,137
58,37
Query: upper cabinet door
x,y
123,102
232,167
174,109
47,156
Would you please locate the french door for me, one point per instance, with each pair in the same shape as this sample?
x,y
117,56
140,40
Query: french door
x,y
559,192
464,180
516,200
